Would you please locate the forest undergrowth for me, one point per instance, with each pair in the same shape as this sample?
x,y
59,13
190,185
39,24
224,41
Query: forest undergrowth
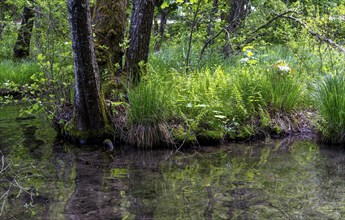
x,y
268,91
261,91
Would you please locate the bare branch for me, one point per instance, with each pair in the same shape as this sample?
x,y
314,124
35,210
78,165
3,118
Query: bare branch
x,y
7,169
211,39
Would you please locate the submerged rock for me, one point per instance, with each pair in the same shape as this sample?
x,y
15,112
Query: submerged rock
x,y
108,144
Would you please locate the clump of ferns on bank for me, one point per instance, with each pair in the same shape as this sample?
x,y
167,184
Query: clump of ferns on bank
x,y
215,104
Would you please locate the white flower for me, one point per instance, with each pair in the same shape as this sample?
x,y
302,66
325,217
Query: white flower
x,y
284,68
244,60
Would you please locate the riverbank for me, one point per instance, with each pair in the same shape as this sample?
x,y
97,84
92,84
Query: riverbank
x,y
177,133
270,93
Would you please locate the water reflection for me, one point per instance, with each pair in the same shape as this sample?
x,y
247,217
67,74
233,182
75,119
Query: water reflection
x,y
287,179
36,164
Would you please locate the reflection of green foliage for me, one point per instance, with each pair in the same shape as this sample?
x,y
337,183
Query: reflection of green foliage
x,y
255,183
118,173
305,153
30,153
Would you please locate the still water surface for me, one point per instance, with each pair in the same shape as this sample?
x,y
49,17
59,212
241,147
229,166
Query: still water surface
x,y
285,179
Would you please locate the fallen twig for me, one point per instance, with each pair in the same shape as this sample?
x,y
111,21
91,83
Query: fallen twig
x,y
7,169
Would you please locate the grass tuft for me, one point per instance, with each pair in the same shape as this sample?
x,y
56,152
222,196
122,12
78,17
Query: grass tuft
x,y
146,116
330,105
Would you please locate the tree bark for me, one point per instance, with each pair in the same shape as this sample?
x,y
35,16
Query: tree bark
x,y
237,14
2,16
139,38
90,116
22,46
109,20
214,11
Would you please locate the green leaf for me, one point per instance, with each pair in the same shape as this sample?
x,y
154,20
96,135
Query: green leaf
x,y
36,106
40,57
165,4
118,173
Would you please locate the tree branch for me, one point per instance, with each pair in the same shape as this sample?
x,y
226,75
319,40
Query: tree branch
x,y
208,41
273,19
317,35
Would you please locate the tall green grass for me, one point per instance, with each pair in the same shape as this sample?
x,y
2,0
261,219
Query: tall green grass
x,y
147,104
18,72
283,90
147,115
330,105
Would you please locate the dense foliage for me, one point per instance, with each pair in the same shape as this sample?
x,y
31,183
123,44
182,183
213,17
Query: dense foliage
x,y
209,76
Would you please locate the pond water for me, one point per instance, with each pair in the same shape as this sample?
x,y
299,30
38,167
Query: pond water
x,y
47,179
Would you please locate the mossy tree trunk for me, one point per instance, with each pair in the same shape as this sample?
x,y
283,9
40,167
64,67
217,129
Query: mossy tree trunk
x,y
109,21
90,117
139,38
22,46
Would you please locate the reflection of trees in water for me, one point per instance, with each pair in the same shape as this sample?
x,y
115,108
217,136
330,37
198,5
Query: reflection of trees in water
x,y
60,180
125,185
95,196
277,180
273,180
37,166
146,184
31,142
330,199
52,170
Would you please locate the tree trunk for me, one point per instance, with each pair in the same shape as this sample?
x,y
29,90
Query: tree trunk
x,y
2,16
192,28
163,22
238,12
211,23
22,46
90,116
139,38
109,20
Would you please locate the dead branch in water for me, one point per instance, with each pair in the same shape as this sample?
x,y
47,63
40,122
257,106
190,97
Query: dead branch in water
x,y
6,169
